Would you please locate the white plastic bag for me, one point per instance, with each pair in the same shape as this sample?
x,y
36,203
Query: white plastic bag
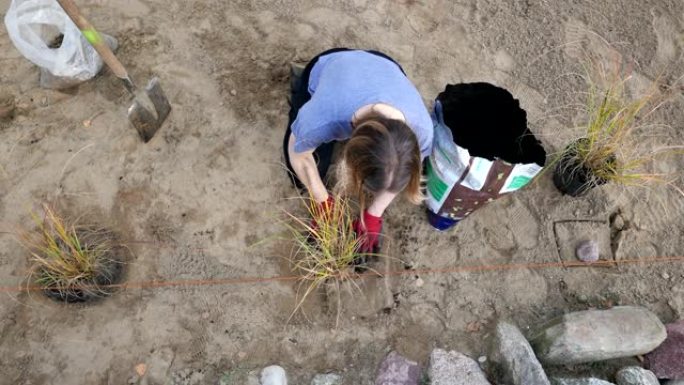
x,y
36,25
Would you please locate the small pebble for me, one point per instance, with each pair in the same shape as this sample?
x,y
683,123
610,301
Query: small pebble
x,y
588,251
141,369
635,375
665,275
44,101
619,223
420,282
582,298
482,359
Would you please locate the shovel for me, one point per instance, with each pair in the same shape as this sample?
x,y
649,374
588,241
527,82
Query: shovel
x,y
150,106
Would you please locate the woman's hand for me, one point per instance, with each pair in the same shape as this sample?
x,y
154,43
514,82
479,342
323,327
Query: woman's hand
x,y
322,211
368,229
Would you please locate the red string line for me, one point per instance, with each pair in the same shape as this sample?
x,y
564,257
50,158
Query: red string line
x,y
425,271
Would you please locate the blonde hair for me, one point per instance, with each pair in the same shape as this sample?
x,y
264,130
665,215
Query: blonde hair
x,y
382,155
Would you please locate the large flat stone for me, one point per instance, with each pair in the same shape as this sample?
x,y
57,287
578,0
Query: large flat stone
x,y
634,375
454,368
398,370
597,335
579,381
512,360
667,361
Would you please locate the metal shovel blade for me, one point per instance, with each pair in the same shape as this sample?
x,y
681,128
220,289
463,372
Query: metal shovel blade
x,y
144,120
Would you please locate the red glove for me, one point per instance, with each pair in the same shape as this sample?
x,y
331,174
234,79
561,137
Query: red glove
x,y
323,209
368,231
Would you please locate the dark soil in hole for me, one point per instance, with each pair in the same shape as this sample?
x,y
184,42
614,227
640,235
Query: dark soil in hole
x,y
56,42
488,122
110,274
572,178
110,271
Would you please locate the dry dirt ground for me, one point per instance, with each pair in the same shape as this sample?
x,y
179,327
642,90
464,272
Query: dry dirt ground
x,y
192,202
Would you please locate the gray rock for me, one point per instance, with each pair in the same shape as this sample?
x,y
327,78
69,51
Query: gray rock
x,y
634,375
597,335
273,375
326,379
674,382
454,368
512,360
398,370
588,251
579,381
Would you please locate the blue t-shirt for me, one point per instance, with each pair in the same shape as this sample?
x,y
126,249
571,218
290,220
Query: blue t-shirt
x,y
342,82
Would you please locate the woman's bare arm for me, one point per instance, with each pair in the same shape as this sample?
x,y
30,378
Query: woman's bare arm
x,y
380,203
305,167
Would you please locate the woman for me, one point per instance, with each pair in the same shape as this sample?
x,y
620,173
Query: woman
x,y
365,97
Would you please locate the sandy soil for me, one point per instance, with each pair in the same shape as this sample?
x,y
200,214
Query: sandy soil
x,y
192,201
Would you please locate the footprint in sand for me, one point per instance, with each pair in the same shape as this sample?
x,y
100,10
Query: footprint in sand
x,y
526,230
129,8
668,36
582,43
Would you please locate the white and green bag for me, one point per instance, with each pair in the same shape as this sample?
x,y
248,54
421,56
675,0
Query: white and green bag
x,y
458,183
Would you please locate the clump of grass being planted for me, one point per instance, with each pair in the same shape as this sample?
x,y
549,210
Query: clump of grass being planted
x,y
617,138
70,263
325,249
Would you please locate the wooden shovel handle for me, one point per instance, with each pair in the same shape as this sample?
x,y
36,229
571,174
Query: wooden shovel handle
x,y
94,38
